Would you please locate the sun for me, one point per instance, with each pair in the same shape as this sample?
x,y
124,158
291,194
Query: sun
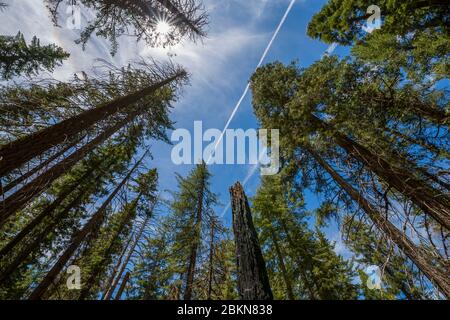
x,y
163,27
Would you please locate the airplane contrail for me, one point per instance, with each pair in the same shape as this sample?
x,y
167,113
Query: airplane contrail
x,y
247,88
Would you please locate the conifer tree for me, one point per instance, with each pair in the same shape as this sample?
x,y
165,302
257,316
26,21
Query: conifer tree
x,y
18,58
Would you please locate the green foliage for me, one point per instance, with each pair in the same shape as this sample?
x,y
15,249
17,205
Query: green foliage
x,y
312,269
19,58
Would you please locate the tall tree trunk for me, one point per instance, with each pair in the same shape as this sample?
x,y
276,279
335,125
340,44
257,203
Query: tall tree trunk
x,y
122,286
19,199
211,261
48,210
39,167
139,234
116,267
431,201
415,254
39,238
304,277
287,281
253,281
17,153
94,274
79,237
196,241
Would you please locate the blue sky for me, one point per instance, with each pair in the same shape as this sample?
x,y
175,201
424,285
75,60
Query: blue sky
x,y
238,33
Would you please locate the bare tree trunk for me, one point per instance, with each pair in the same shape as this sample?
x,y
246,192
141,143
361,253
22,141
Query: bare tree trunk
x,y
431,201
94,274
287,281
253,281
95,220
122,286
415,254
19,199
17,153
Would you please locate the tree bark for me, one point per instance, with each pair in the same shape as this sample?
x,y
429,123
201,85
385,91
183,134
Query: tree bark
x,y
122,286
37,240
110,292
19,199
287,281
425,197
116,267
45,213
94,274
95,220
17,153
39,167
415,254
211,261
195,243
253,281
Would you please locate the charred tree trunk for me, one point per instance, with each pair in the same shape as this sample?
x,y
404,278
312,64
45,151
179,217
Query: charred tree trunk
x,y
95,220
94,274
253,281
287,281
415,254
17,153
122,286
431,201
19,199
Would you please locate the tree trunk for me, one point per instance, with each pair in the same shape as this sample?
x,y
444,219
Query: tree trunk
x,y
195,243
287,281
39,167
304,276
253,281
211,261
414,253
17,153
116,267
94,274
37,240
45,213
110,292
95,220
429,200
122,286
19,199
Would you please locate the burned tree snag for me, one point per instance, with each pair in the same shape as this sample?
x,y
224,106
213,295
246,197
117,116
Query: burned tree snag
x,y
253,281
